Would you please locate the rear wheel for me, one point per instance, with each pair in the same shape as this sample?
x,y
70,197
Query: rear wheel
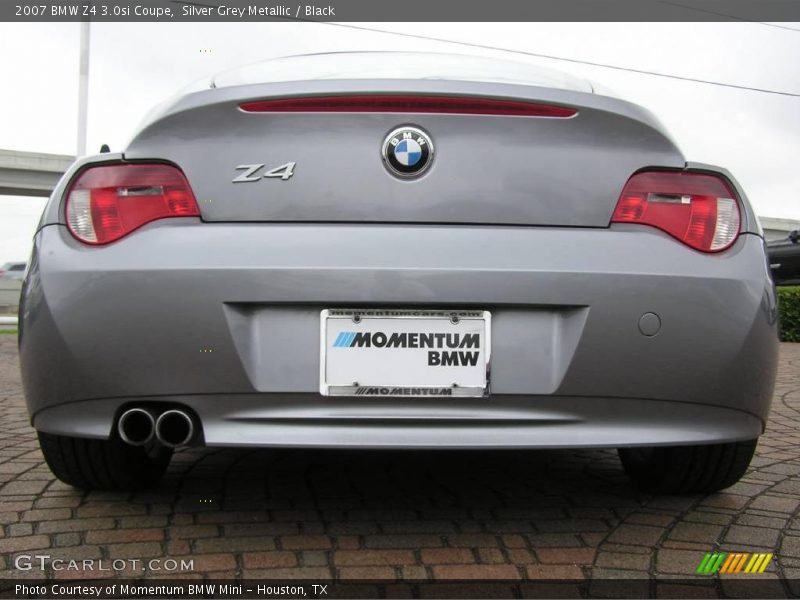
x,y
103,464
684,469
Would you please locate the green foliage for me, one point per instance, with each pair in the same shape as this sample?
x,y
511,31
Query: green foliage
x,y
789,308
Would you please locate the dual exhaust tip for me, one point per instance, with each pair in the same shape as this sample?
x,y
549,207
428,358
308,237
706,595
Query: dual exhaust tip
x,y
172,428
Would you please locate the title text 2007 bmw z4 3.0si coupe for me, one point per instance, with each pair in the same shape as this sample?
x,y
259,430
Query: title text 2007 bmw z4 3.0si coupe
x,y
398,251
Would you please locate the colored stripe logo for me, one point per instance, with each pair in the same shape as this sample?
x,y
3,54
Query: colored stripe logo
x,y
344,339
734,562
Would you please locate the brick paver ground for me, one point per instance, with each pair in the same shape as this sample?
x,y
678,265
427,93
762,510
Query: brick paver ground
x,y
415,515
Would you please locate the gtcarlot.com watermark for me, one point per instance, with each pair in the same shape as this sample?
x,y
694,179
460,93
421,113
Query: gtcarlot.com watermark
x,y
44,562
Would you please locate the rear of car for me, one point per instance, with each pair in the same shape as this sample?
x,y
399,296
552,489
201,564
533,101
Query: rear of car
x,y
462,261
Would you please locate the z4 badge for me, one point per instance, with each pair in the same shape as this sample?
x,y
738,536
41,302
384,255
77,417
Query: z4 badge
x,y
252,172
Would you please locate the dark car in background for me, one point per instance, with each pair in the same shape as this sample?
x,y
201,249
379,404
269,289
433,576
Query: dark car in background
x,y
784,259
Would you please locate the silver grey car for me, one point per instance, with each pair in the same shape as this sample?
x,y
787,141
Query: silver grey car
x,y
379,250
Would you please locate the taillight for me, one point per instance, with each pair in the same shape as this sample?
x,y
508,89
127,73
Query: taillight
x,y
699,209
107,202
397,103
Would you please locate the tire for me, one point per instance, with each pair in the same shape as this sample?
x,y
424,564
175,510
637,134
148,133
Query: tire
x,y
687,469
103,464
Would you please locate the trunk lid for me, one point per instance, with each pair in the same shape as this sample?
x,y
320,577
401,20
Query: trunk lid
x,y
487,169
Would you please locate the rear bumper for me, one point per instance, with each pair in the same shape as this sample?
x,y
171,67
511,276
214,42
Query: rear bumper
x,y
224,319
299,420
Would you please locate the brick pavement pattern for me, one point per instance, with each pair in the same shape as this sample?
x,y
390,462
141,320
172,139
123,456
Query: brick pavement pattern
x,y
413,515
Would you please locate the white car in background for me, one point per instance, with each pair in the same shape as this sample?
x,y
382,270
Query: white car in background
x,y
13,270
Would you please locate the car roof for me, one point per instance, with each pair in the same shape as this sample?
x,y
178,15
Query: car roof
x,y
397,65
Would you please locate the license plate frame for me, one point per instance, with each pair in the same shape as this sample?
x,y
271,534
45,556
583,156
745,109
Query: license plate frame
x,y
449,380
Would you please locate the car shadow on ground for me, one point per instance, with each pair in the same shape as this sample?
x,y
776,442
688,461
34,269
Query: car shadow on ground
x,y
498,484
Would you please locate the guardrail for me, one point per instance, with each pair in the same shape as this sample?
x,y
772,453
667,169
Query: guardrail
x,y
9,295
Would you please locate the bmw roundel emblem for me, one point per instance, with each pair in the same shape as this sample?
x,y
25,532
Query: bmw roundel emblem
x,y
407,151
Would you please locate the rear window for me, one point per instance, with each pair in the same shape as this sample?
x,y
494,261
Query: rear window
x,y
398,65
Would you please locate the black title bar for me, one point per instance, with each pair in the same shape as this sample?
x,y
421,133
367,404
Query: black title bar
x,y
407,10
263,589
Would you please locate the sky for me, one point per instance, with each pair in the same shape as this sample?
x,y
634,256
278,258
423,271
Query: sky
x,y
135,66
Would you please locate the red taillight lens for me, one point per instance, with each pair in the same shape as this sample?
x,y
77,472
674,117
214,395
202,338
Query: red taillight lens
x,y
107,202
394,103
699,209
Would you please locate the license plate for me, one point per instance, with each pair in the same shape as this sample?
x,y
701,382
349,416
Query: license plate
x,y
404,352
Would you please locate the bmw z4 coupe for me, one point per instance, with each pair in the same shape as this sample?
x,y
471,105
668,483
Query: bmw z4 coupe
x,y
391,250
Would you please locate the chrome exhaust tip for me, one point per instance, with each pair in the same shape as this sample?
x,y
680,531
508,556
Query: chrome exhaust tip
x,y
174,428
136,426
